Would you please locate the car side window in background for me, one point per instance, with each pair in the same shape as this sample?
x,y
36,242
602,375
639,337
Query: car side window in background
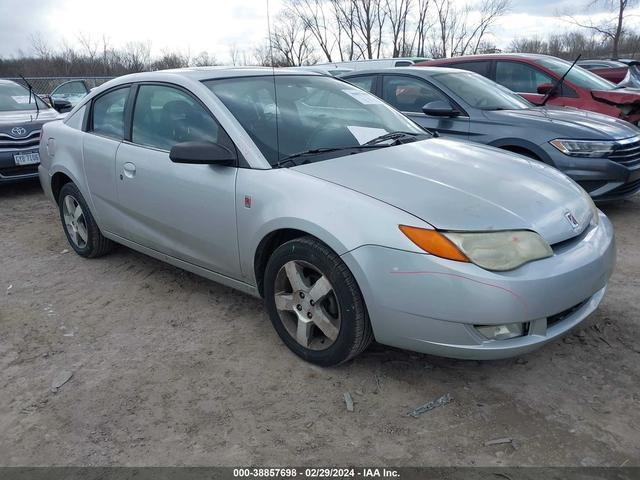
x,y
520,77
403,63
77,87
164,116
77,119
478,67
108,113
409,94
365,82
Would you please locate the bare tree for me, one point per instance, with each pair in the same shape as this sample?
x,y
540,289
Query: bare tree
x,y
170,60
41,48
490,11
369,19
397,12
291,40
317,20
234,54
344,17
459,30
204,59
422,28
611,28
136,56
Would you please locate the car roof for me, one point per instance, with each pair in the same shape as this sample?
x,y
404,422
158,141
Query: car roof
x,y
7,82
206,73
425,71
487,56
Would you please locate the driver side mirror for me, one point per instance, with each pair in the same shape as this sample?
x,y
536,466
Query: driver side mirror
x,y
202,153
61,106
440,108
544,88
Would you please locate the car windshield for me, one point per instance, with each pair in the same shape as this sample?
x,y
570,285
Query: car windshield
x,y
480,92
578,75
286,115
15,98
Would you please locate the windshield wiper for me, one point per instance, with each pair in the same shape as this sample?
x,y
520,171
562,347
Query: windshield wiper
x,y
397,136
315,151
35,100
559,82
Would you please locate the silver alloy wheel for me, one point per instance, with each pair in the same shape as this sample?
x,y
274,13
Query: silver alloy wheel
x,y
74,221
307,305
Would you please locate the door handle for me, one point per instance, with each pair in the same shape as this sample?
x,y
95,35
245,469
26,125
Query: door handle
x,y
129,170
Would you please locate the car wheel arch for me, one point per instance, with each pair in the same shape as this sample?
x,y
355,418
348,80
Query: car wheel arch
x,y
58,180
523,148
272,240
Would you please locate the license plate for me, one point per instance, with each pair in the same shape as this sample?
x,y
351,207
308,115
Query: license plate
x,y
26,158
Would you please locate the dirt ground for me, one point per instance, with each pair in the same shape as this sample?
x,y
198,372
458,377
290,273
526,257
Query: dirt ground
x,y
172,369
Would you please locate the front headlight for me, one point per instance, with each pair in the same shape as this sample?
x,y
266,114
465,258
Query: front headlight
x,y
500,251
584,148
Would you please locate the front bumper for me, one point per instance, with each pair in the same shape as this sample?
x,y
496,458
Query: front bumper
x,y
10,172
605,180
427,304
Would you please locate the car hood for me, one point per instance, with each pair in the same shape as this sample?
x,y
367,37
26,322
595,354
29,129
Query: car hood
x,y
621,96
462,186
567,122
19,118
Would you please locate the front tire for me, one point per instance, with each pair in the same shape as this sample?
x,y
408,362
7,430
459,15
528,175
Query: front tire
x,y
315,304
79,226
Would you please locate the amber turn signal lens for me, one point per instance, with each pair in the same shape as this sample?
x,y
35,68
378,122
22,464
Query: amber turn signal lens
x,y
433,242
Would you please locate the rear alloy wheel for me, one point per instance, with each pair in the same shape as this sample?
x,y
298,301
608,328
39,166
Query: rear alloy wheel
x,y
74,221
315,304
80,227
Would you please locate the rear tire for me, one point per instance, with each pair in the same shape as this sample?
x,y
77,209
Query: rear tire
x,y
79,226
315,304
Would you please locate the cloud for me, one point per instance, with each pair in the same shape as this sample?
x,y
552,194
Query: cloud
x,y
193,26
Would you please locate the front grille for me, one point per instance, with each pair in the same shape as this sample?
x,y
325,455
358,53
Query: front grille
x,y
7,142
17,171
627,154
558,317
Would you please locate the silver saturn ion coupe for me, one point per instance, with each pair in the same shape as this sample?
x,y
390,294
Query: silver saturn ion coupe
x,y
350,221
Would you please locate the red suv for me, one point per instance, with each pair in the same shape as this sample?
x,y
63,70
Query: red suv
x,y
533,76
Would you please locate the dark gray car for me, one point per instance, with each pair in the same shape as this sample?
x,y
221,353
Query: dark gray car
x,y
21,120
599,152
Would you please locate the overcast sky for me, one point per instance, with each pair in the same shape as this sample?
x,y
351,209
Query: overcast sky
x,y
192,26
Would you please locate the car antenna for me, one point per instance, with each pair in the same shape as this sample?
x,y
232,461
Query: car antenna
x,y
273,75
31,93
559,82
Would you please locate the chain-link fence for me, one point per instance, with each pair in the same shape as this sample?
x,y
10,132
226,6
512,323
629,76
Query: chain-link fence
x,y
46,85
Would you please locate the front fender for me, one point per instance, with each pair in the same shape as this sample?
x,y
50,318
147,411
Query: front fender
x,y
504,143
276,199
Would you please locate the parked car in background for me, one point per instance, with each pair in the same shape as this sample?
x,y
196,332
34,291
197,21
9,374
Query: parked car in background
x,y
350,220
72,91
626,61
22,115
601,153
371,64
328,69
534,76
612,70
